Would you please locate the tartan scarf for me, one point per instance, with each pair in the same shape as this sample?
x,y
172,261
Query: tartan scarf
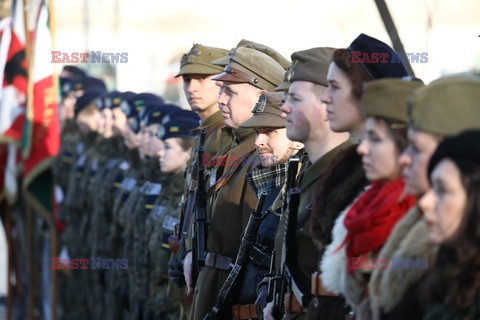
x,y
267,179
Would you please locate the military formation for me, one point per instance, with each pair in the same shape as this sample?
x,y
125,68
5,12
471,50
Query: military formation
x,y
317,188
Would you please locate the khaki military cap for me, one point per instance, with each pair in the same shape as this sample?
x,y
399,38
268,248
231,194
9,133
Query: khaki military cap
x,y
388,98
285,85
446,106
266,113
275,55
199,60
311,65
247,65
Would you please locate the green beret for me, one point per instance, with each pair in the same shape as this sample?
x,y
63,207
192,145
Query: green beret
x,y
247,65
267,113
388,98
275,55
446,106
311,65
199,60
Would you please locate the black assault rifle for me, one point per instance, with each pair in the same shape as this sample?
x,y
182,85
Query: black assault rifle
x,y
249,237
276,283
200,234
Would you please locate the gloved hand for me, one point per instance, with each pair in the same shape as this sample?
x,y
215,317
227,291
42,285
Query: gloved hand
x,y
175,269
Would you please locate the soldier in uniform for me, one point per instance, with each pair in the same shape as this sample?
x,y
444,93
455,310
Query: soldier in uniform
x,y
357,236
394,293
248,74
306,123
268,176
87,116
123,181
165,214
345,178
109,154
197,71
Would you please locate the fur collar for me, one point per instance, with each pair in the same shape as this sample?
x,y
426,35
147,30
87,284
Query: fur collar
x,y
408,240
333,264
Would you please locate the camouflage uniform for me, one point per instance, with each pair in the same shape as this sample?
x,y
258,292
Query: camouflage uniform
x,y
62,166
121,182
108,158
159,226
72,211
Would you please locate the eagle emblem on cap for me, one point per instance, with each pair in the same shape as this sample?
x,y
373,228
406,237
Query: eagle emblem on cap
x,y
260,106
291,71
195,50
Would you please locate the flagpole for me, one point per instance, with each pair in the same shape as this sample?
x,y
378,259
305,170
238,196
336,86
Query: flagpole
x,y
30,272
8,233
28,208
29,43
53,235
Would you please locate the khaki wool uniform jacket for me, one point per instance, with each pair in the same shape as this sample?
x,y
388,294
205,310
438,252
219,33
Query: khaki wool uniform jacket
x,y
228,215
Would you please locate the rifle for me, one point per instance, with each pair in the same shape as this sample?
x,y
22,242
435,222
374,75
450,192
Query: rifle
x,y
188,206
276,285
292,280
200,236
248,239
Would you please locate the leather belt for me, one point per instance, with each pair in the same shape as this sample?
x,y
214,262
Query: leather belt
x,y
244,312
317,286
292,305
214,260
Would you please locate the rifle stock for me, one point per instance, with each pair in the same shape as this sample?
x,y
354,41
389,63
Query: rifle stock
x,y
248,239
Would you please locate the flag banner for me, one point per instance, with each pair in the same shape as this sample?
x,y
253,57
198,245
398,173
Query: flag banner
x,y
41,135
13,66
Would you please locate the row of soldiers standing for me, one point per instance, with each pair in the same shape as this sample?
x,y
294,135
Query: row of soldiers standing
x,y
118,207
285,141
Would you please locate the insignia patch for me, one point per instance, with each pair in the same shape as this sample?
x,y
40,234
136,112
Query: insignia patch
x,y
153,188
80,147
81,160
169,223
128,184
124,166
111,163
157,212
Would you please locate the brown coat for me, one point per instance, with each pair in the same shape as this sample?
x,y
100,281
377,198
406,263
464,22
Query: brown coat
x,y
228,215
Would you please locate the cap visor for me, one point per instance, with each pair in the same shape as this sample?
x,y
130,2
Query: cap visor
x,y
264,121
225,76
198,69
223,61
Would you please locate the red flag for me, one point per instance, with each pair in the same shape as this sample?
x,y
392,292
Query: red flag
x,y
41,135
14,75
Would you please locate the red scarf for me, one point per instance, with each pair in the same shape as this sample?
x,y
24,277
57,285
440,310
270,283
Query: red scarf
x,y
372,217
